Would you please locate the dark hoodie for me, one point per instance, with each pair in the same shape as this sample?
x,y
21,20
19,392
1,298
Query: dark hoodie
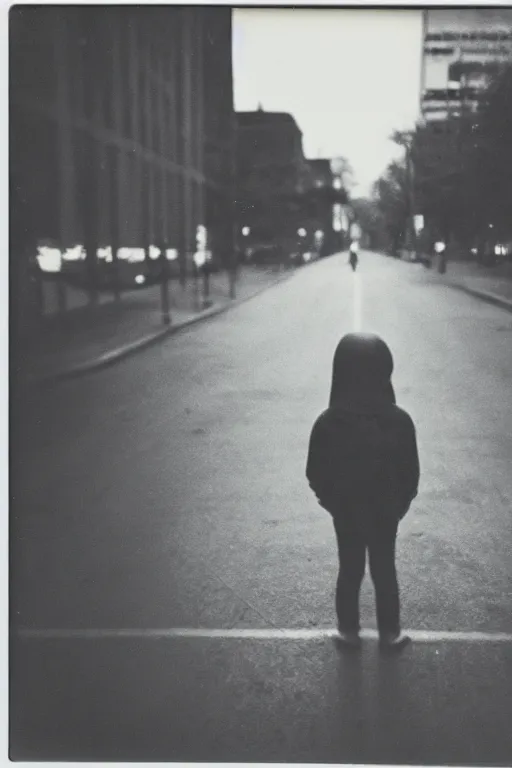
x,y
363,459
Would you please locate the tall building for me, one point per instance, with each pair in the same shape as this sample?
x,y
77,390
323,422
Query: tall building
x,y
121,131
270,170
463,48
219,129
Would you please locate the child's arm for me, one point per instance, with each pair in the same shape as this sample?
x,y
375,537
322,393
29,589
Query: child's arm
x,y
317,464
410,465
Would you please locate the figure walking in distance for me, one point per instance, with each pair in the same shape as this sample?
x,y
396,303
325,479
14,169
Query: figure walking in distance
x,y
363,467
353,257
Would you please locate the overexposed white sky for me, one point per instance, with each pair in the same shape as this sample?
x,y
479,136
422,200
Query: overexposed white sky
x,y
349,77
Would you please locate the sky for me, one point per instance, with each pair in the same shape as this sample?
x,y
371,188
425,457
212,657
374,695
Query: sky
x,y
349,77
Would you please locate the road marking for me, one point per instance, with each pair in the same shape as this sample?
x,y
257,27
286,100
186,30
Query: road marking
x,y
358,311
418,636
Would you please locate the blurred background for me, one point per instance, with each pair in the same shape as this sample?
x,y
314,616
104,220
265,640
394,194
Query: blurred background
x,y
142,137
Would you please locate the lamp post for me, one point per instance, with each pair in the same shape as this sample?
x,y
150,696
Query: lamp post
x,y
164,286
206,280
411,203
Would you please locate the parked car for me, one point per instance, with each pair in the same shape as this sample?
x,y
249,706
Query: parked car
x,y
265,253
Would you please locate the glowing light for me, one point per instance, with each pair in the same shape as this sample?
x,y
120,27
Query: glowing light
x,y
201,237
172,254
199,258
301,232
49,259
337,217
105,253
419,223
337,183
132,254
76,254
140,279
307,257
154,252
246,231
439,246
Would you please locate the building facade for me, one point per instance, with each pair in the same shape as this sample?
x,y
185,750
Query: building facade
x,y
321,173
328,204
270,171
463,49
121,133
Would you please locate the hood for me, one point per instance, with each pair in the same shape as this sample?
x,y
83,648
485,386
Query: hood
x,y
361,374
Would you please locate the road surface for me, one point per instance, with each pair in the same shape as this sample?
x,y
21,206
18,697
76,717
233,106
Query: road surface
x,y
167,494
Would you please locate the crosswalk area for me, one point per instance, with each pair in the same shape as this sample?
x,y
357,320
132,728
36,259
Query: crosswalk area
x,y
224,695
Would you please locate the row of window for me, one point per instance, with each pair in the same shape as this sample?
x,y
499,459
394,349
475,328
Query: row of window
x,y
470,36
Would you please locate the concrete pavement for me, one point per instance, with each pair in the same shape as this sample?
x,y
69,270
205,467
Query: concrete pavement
x,y
169,491
88,339
249,700
491,284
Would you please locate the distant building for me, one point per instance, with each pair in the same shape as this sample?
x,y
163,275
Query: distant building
x,y
327,209
321,173
463,48
270,171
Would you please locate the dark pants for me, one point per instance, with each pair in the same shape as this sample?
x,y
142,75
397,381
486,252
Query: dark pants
x,y
380,541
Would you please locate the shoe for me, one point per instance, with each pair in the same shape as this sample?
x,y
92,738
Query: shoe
x,y
392,641
348,639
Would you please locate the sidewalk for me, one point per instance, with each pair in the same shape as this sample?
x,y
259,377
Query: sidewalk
x,y
85,339
492,284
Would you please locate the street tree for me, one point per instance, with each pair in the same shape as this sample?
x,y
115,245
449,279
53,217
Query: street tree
x,y
493,153
390,193
368,214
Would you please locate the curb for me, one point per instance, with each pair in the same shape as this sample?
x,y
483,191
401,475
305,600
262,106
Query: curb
x,y
490,298
116,355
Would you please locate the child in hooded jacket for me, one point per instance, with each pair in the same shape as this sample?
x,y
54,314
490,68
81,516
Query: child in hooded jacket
x,y
363,467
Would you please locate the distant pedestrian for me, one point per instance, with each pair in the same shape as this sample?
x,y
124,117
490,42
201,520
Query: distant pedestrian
x,y
353,255
363,467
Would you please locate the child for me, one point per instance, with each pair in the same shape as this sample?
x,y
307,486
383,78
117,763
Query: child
x,y
363,467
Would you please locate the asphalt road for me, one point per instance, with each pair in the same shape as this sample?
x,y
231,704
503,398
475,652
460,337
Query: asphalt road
x,y
169,492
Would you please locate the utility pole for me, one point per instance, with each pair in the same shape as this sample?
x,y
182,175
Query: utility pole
x,y
89,157
233,190
412,198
